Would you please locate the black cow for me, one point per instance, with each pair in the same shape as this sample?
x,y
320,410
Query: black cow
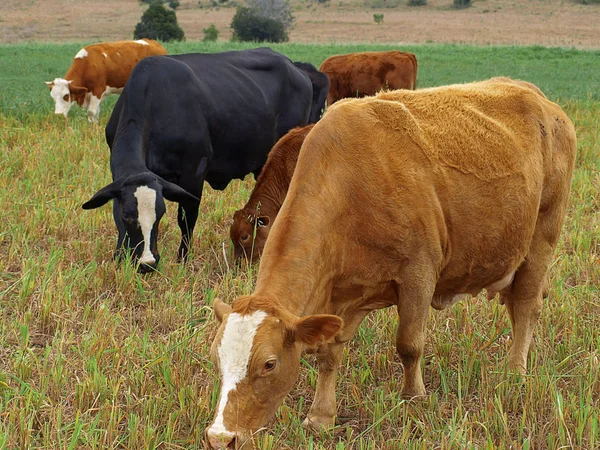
x,y
320,83
183,119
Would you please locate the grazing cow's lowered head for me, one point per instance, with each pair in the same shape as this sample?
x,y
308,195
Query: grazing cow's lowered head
x,y
249,234
64,94
137,209
257,351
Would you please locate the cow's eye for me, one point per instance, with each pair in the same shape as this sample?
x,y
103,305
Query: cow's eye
x,y
66,97
244,237
270,365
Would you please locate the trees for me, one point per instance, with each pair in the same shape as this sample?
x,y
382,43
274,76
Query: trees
x,y
249,26
158,23
263,20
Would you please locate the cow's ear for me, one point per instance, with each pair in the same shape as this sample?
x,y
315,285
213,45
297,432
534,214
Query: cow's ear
x,y
176,193
105,194
317,328
262,221
77,90
221,309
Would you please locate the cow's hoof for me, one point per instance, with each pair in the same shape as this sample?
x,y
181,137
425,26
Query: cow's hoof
x,y
319,423
413,395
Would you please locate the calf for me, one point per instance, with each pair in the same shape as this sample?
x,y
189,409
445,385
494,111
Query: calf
x,y
407,199
184,119
97,71
366,73
252,223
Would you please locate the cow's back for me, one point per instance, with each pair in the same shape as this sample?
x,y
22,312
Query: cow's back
x,y
229,107
458,173
361,74
110,64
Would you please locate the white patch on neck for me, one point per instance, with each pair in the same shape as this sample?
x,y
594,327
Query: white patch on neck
x,y
81,54
234,355
146,199
142,42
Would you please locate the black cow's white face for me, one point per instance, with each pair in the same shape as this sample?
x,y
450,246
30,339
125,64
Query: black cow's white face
x,y
137,212
139,204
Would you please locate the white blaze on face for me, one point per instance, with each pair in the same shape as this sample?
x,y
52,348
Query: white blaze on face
x,y
234,354
60,91
81,54
142,42
146,199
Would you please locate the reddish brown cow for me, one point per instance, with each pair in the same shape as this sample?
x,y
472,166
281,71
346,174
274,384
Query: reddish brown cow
x,y
97,71
361,74
410,199
257,216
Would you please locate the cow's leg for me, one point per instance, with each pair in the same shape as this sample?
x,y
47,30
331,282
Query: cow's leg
x,y
524,300
323,409
187,214
192,181
93,111
413,308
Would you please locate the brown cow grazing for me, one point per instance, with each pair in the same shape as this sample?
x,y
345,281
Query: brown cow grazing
x,y
411,199
97,71
267,197
366,73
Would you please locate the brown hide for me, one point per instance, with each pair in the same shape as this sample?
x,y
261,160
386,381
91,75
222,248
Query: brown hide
x,y
267,196
362,74
412,198
95,72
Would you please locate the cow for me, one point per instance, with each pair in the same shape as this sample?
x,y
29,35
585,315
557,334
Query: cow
x,y
409,199
252,223
184,119
97,71
366,73
320,83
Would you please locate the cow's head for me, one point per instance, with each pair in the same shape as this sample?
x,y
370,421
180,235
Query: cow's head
x,y
137,209
249,233
257,352
64,94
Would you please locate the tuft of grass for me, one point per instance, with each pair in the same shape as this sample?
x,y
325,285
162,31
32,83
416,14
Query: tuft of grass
x,y
94,355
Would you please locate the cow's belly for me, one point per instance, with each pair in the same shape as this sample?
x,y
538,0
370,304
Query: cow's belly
x,y
489,235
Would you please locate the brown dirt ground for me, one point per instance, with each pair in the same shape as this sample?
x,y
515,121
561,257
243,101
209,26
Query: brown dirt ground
x,y
543,22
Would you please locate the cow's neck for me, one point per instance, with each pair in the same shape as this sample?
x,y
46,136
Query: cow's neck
x,y
269,193
296,268
75,72
127,155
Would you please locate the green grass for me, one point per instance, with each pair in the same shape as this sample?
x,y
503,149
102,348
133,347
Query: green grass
x,y
94,355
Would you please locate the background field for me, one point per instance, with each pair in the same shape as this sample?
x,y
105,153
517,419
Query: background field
x,y
93,355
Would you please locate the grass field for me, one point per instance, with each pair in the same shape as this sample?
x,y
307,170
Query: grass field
x,y
94,355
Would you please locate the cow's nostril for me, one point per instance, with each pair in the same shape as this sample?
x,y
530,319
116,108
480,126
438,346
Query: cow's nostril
x,y
232,445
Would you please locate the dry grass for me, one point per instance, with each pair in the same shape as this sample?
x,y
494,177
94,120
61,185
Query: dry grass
x,y
94,355
543,22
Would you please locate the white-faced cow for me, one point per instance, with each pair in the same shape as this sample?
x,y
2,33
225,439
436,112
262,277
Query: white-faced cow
x,y
97,71
185,119
409,199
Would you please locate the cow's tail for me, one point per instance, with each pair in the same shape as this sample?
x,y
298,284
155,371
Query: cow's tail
x,y
413,58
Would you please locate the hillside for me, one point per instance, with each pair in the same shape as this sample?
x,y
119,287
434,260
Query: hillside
x,y
543,22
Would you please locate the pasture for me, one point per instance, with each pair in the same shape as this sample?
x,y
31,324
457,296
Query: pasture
x,y
94,355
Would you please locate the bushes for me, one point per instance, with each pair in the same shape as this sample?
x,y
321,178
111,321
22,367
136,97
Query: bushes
x,y
211,33
382,3
247,25
158,23
417,2
462,3
378,18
